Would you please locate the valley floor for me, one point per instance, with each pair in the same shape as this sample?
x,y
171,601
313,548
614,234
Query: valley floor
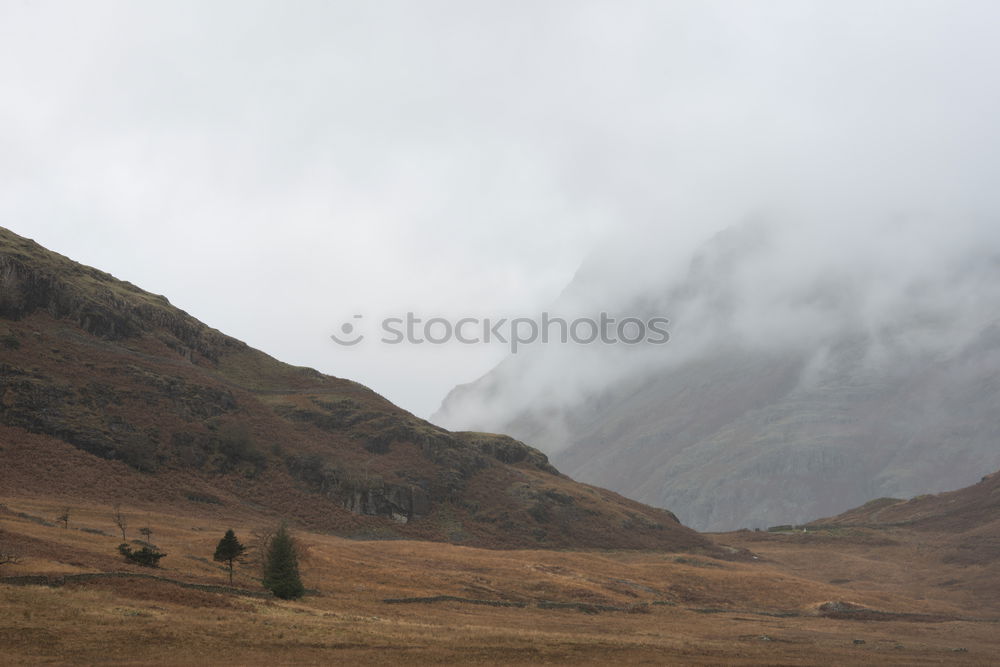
x,y
564,607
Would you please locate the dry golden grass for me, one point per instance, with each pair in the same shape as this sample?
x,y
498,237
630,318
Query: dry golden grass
x,y
709,611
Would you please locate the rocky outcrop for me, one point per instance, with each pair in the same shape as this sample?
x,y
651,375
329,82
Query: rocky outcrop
x,y
400,503
506,449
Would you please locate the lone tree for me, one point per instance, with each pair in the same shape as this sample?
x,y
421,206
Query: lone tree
x,y
63,517
120,520
281,566
229,551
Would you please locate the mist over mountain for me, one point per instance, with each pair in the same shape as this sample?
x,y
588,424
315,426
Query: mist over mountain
x,y
810,367
463,158
828,260
827,255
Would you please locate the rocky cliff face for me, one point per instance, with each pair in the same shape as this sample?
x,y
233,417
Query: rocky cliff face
x,y
114,310
772,403
123,377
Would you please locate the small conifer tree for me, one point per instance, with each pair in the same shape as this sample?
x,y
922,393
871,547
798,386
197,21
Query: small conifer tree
x,y
281,566
229,551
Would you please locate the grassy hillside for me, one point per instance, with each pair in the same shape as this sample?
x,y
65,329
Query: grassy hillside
x,y
108,391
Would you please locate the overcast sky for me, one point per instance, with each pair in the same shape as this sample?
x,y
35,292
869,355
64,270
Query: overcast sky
x,y
276,168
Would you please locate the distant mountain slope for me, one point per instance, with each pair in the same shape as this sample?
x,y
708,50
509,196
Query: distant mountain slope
x,y
972,508
107,390
959,527
787,391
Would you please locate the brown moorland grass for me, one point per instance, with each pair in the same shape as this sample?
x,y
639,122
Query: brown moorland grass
x,y
686,609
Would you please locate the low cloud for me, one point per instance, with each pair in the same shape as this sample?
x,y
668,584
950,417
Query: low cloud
x,y
275,170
